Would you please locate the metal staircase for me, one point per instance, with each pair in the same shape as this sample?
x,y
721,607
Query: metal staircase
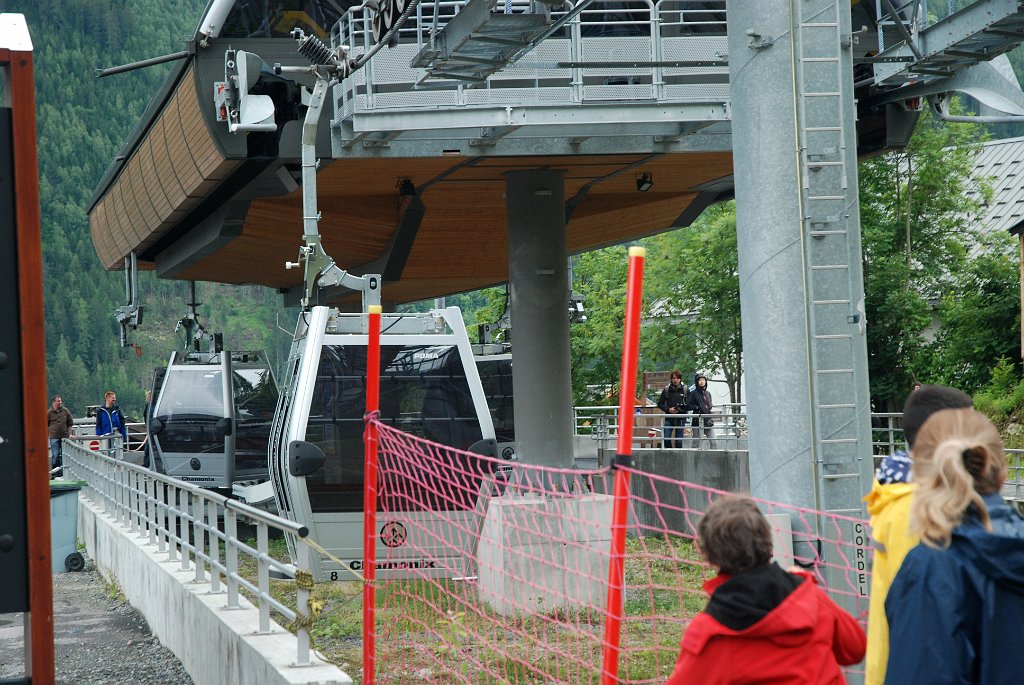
x,y
976,33
478,42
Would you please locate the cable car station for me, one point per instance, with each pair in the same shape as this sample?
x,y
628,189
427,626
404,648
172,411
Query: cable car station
x,y
401,150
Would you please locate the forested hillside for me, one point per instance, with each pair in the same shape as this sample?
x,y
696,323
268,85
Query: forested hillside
x,y
82,124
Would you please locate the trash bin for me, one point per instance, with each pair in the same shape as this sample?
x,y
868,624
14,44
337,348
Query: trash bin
x,y
64,525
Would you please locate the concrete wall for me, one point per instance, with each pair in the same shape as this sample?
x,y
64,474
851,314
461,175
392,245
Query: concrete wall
x,y
718,469
216,645
552,542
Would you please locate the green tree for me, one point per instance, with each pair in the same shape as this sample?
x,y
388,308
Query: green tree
x,y
916,223
595,346
694,299
82,123
980,317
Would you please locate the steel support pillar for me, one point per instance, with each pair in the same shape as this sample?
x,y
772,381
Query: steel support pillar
x,y
539,310
798,224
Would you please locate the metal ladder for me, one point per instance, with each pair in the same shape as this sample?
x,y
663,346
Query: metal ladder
x,y
831,245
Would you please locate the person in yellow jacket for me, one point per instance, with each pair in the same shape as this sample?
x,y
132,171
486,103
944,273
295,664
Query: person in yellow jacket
x,y
889,506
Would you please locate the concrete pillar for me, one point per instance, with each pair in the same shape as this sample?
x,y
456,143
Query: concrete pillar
x,y
539,310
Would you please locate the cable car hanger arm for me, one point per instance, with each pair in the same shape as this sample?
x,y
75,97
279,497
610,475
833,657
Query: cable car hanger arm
x,y
321,271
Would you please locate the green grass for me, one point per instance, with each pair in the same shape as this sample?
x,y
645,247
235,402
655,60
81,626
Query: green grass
x,y
437,631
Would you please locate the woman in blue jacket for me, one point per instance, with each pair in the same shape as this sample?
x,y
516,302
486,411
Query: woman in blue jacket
x,y
956,606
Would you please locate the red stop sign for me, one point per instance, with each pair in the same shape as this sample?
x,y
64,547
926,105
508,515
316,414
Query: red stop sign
x,y
94,445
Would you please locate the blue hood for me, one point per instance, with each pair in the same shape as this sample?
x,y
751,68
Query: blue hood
x,y
999,554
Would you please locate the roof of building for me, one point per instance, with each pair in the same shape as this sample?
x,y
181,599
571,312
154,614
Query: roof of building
x,y
1002,163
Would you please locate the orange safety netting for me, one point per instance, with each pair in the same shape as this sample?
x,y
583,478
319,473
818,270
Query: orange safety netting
x,y
497,572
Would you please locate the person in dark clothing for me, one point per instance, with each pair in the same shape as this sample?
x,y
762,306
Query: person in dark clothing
x,y
109,417
673,403
761,624
699,400
956,607
58,427
145,418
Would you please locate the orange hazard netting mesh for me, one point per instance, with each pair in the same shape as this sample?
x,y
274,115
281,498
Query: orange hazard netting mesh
x,y
497,572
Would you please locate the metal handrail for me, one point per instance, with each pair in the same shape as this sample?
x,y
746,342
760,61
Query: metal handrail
x,y
600,422
183,519
636,26
1013,488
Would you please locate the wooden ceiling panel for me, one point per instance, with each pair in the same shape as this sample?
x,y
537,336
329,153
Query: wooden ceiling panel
x,y
462,243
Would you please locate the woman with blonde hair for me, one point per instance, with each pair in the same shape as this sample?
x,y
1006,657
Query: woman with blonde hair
x,y
956,606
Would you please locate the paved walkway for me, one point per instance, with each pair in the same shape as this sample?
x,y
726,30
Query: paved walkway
x,y
99,638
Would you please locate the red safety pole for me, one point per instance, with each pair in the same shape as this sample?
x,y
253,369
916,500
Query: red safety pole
x,y
370,497
623,457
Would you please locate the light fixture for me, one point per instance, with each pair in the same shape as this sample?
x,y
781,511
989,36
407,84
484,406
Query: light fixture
x,y
405,187
644,182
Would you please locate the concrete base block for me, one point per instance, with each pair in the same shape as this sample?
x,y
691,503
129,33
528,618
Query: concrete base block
x,y
537,554
216,645
782,538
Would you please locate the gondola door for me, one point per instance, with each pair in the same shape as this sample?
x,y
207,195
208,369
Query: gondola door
x,y
430,388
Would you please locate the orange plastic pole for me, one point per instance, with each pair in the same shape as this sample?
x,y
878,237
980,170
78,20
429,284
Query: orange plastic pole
x,y
370,498
623,457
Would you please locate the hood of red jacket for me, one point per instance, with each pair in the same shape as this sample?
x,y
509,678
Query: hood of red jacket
x,y
790,623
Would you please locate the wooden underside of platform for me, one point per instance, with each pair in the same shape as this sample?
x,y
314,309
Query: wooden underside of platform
x,y
462,242
179,174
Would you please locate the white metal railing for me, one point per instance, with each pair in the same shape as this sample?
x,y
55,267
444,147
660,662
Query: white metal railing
x,y
108,445
887,433
638,50
83,430
1013,488
651,430
191,524
601,423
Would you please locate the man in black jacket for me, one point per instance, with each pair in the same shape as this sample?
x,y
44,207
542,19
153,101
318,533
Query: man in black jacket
x,y
699,400
673,403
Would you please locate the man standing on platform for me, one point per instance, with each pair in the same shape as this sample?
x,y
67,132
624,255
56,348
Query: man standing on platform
x,y
58,422
109,417
673,403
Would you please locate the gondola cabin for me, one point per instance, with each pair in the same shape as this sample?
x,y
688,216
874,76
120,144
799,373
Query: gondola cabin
x,y
211,421
429,387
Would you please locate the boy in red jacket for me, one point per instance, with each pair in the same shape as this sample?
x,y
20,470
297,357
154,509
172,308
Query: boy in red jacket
x,y
762,624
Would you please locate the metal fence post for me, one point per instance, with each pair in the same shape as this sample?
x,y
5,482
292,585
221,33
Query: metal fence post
x,y
183,529
262,549
303,587
231,555
172,522
154,513
109,489
141,511
198,511
124,506
211,520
